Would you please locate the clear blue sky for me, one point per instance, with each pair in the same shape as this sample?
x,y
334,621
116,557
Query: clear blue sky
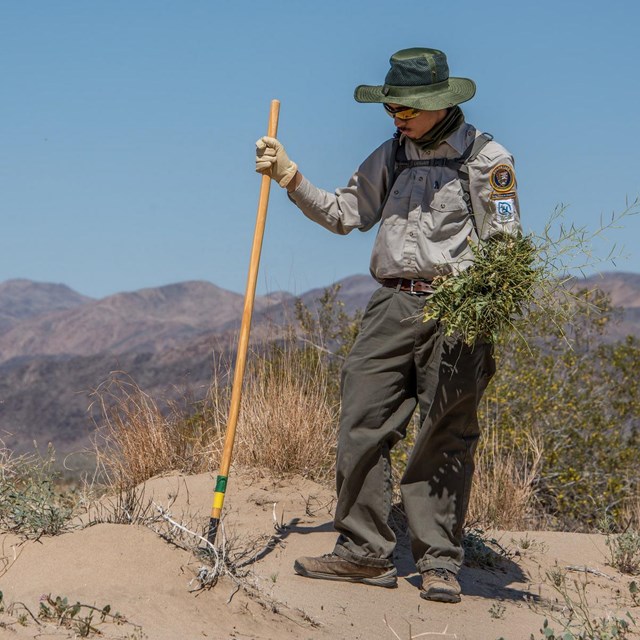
x,y
127,127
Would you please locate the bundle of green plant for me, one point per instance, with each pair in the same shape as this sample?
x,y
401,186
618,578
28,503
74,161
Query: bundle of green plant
x,y
481,302
30,505
512,275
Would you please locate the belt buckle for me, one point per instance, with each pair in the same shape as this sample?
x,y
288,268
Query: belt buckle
x,y
412,291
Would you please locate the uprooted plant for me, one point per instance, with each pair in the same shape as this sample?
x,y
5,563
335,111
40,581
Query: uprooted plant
x,y
230,556
512,275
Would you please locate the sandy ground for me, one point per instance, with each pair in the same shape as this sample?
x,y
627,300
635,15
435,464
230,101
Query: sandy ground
x,y
152,583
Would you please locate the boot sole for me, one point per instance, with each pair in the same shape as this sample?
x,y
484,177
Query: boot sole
x,y
388,579
440,596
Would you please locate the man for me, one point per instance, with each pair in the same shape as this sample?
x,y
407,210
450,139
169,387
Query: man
x,y
436,188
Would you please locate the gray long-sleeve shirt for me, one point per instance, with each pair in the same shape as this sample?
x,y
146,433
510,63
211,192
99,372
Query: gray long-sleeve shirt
x,y
425,226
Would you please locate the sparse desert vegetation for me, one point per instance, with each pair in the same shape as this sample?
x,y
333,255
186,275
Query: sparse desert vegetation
x,y
559,451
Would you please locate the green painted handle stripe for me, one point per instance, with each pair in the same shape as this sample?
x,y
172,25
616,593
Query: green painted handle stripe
x,y
221,484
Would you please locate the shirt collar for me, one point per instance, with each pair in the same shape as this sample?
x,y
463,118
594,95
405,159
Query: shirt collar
x,y
459,140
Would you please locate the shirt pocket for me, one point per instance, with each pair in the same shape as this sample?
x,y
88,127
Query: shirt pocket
x,y
447,213
396,209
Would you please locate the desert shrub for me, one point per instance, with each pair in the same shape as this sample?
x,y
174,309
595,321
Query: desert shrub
x,y
576,617
624,551
630,510
289,414
30,504
579,397
482,551
78,617
326,333
604,628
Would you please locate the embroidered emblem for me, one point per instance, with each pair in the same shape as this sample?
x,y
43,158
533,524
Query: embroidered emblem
x,y
505,210
502,178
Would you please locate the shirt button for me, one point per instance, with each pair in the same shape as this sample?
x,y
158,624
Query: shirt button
x,y
420,178
442,206
396,192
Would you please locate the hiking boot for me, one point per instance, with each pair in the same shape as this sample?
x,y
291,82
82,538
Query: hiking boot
x,y
332,567
440,585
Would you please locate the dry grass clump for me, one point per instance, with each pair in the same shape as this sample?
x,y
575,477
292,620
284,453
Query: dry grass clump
x,y
504,494
287,422
630,512
138,440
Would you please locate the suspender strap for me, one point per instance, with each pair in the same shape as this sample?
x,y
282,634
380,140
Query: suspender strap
x,y
472,151
392,172
469,155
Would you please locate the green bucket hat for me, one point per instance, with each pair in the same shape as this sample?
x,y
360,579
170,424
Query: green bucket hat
x,y
419,78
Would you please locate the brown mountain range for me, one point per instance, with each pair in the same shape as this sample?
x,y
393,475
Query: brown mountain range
x,y
57,346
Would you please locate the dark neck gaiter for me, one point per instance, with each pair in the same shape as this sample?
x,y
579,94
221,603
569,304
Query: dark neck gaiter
x,y
450,123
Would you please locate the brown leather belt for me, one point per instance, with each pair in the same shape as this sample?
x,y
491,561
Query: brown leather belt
x,y
416,287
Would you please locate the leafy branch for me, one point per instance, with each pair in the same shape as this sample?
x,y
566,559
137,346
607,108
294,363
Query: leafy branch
x,y
512,276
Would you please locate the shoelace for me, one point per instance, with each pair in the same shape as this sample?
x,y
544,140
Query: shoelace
x,y
442,573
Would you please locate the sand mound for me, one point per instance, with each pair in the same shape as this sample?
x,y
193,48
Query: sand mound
x,y
152,583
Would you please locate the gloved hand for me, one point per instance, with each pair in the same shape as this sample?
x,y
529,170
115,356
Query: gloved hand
x,y
272,160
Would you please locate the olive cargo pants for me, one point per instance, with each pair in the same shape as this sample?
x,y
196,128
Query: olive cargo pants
x,y
398,362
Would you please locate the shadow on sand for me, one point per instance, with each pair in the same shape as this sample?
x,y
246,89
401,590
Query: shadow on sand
x,y
489,570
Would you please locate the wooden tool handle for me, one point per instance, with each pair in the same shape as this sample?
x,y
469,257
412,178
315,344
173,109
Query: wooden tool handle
x,y
243,339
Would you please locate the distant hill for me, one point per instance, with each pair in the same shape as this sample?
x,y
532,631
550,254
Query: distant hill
x,y
57,346
624,291
21,299
148,320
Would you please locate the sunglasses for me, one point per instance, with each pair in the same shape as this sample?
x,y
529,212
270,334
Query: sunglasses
x,y
404,113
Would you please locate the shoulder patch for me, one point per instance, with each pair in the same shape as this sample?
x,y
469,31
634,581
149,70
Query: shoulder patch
x,y
505,210
502,178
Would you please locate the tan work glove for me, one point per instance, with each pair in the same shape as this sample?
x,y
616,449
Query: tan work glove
x,y
273,161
